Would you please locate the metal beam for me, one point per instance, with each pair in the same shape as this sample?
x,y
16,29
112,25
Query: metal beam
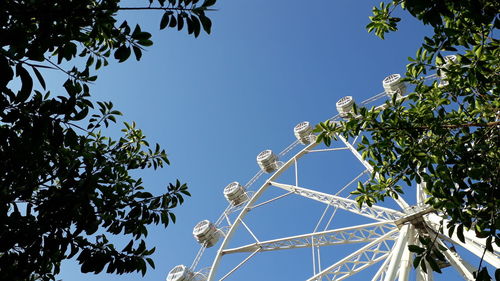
x,y
397,252
374,212
347,235
382,269
460,265
407,257
359,260
473,244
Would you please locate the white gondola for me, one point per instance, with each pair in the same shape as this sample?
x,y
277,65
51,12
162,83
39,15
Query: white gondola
x,y
206,233
180,273
393,85
345,106
235,193
304,132
268,161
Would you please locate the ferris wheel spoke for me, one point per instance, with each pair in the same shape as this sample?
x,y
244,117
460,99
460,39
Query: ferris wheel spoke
x,y
473,244
397,252
361,259
463,267
328,149
382,269
347,235
239,265
407,257
374,212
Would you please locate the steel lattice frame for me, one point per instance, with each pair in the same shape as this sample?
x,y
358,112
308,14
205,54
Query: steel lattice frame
x,y
400,227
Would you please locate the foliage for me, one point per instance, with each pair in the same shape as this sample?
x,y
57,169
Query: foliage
x,y
65,185
446,133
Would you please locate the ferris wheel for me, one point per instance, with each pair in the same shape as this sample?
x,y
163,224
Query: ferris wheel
x,y
374,240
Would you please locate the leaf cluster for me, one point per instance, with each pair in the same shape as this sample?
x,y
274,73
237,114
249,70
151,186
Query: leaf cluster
x,y
64,185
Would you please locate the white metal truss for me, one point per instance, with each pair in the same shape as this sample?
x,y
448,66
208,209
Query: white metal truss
x,y
347,235
198,256
380,275
374,212
407,257
463,267
359,260
239,265
401,243
473,244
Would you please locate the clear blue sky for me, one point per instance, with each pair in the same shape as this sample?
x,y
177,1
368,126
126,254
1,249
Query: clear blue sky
x,y
216,101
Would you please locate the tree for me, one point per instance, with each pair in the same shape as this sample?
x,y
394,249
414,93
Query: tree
x,y
446,133
64,185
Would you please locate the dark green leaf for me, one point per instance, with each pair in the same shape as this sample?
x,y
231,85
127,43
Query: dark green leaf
x,y
39,77
80,115
26,83
196,26
206,23
460,233
173,21
180,22
122,53
137,52
208,3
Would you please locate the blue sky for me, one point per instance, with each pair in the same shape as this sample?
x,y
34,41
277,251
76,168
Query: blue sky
x,y
216,101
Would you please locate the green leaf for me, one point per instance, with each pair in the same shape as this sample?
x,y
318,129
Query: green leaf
x,y
128,248
460,233
479,51
433,264
180,22
196,26
206,23
172,217
151,262
39,77
122,53
164,20
416,261
80,115
423,265
208,3
416,249
173,22
137,52
26,83
145,43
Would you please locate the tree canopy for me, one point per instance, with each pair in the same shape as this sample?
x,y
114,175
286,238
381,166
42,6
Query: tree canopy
x,y
446,133
65,185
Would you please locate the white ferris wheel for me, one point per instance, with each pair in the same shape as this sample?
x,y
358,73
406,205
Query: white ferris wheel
x,y
370,241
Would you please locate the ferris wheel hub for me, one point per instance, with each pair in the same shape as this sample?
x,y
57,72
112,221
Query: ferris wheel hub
x,y
414,215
